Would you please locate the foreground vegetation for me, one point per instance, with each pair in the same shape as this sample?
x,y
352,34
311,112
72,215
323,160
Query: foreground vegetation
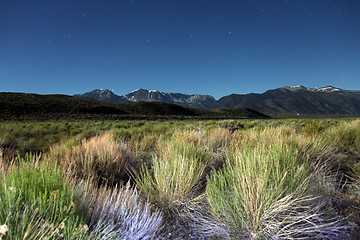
x,y
239,179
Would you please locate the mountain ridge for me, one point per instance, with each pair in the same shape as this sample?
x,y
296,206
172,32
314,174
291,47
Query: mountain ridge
x,y
283,100
297,100
185,100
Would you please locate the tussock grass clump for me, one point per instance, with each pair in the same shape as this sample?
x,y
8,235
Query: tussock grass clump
x,y
174,176
36,202
118,212
99,157
262,193
174,185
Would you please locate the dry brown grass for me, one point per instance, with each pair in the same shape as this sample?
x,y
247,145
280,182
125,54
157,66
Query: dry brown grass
x,y
6,159
99,157
3,163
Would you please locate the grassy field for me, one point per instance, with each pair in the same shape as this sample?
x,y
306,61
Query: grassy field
x,y
213,179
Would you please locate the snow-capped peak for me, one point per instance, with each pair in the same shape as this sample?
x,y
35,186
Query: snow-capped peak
x,y
326,89
296,88
315,89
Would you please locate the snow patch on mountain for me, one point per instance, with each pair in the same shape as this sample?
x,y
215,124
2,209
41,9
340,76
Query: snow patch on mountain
x,y
315,89
326,89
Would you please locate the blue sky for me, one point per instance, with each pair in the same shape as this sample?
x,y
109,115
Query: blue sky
x,y
215,47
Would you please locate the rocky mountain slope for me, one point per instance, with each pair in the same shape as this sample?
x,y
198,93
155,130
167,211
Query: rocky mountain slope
x,y
103,95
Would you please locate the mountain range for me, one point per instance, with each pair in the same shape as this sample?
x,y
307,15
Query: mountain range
x,y
282,101
185,100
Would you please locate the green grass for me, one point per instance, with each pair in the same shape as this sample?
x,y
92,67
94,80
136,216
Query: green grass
x,y
36,202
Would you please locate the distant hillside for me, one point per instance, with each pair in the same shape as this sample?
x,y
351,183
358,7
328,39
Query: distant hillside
x,y
298,99
185,100
23,106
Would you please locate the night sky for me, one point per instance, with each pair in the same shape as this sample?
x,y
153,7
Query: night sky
x,y
215,47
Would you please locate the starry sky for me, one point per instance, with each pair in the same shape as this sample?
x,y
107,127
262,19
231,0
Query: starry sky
x,y
215,47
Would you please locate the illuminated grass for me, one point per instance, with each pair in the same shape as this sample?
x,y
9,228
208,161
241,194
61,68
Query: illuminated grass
x,y
262,193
